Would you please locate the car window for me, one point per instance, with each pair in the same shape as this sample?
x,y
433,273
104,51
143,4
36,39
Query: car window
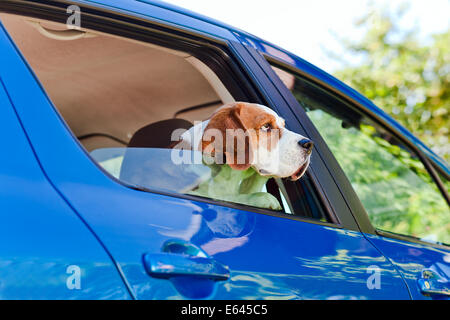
x,y
392,183
127,102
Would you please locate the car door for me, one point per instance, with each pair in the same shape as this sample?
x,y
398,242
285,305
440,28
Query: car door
x,y
46,251
171,246
406,213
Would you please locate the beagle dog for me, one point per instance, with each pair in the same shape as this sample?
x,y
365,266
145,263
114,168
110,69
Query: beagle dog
x,y
245,135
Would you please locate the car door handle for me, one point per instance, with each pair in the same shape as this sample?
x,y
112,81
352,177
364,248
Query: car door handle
x,y
167,265
430,284
181,258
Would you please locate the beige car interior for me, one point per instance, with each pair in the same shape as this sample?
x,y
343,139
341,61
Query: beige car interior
x,y
105,86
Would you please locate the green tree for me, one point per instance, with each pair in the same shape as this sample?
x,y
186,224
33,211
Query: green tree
x,y
406,78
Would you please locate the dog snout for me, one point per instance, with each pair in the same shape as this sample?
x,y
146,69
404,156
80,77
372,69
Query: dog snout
x,y
306,144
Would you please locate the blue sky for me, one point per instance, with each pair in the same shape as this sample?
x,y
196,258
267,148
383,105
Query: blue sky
x,y
305,27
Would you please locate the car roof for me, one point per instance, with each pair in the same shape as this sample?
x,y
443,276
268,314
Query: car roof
x,y
177,15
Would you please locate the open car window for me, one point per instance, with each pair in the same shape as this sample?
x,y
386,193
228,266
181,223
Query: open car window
x,y
391,181
123,99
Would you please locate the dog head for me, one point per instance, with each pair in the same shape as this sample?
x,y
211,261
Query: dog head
x,y
245,135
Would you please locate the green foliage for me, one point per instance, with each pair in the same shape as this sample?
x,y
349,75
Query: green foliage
x,y
395,188
407,79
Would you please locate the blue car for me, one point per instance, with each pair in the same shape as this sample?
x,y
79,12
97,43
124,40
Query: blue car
x,y
92,205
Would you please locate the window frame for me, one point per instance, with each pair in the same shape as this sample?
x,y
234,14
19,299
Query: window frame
x,y
219,55
357,208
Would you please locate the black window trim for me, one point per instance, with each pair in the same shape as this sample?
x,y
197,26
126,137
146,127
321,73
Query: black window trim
x,y
360,211
210,50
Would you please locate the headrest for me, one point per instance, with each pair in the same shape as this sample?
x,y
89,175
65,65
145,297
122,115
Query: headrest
x,y
158,134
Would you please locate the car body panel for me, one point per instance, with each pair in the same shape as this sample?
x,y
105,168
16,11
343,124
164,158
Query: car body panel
x,y
268,256
40,235
411,259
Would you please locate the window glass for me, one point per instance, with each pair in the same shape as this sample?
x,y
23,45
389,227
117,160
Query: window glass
x,y
124,100
391,182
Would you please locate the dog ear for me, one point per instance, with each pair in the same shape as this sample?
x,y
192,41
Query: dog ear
x,y
227,139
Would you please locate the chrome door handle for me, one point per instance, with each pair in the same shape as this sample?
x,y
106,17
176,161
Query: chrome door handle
x,y
430,284
181,258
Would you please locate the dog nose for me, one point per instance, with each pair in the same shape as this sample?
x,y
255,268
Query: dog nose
x,y
307,144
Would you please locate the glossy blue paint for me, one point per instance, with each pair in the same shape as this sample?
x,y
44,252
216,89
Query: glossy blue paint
x,y
40,236
267,256
413,259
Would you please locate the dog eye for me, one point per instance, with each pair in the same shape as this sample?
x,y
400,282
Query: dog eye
x,y
266,127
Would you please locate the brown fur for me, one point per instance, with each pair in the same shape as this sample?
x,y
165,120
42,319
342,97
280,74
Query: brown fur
x,y
243,116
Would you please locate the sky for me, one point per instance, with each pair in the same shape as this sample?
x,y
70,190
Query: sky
x,y
306,27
